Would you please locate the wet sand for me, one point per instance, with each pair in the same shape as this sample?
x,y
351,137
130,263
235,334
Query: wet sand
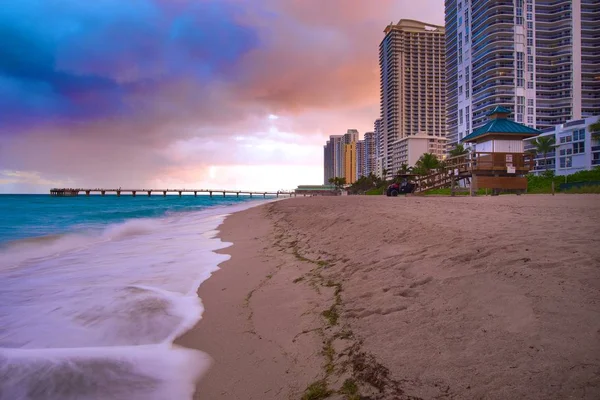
x,y
398,298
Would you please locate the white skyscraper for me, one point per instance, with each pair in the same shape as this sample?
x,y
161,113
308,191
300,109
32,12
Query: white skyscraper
x,y
412,78
538,58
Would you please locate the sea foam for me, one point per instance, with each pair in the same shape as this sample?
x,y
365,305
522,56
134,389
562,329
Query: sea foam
x,y
93,315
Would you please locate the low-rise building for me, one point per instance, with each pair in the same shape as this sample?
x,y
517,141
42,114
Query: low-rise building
x,y
316,190
409,149
575,148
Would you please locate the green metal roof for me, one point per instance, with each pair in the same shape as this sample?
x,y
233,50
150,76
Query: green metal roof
x,y
499,109
502,126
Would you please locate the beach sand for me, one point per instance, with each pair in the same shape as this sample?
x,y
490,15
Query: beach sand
x,y
416,297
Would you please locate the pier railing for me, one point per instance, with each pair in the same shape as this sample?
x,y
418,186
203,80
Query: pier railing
x,y
70,192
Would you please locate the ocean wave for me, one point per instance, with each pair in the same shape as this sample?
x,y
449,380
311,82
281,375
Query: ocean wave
x,y
93,314
154,372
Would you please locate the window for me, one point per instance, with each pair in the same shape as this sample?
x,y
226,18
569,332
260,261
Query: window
x,y
529,17
529,42
530,59
460,21
566,162
467,116
529,34
519,117
529,110
578,147
565,139
530,102
460,117
519,20
529,85
460,90
520,82
567,152
520,109
529,51
521,100
579,135
529,120
467,89
529,25
529,8
530,68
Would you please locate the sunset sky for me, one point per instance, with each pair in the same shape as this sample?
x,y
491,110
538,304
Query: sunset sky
x,y
186,93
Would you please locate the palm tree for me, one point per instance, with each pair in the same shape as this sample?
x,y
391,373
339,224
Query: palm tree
x,y
404,169
595,130
459,150
544,145
426,163
384,173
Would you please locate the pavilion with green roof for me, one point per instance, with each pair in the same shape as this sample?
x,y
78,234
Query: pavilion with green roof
x,y
500,127
498,161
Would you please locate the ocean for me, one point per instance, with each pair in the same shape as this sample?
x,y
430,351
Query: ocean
x,y
93,291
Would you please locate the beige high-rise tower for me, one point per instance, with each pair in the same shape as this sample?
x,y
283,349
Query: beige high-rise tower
x,y
413,86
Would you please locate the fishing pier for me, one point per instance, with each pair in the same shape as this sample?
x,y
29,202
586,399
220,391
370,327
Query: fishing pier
x,y
71,192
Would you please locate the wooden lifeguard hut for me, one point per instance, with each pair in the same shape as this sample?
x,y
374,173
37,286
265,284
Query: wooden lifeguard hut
x,y
498,161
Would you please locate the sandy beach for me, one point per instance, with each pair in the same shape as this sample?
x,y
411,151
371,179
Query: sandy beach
x,y
406,298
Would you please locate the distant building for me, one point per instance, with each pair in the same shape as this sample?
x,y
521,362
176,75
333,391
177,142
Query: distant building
x,y
412,84
350,162
316,190
369,154
351,136
360,159
328,169
334,156
576,149
539,59
379,160
409,149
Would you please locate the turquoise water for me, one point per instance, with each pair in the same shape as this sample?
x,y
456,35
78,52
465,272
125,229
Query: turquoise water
x,y
93,291
29,216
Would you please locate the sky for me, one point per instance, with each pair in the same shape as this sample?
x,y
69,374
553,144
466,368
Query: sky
x,y
233,94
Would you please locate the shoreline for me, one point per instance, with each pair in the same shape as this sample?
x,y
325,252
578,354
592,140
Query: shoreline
x,y
246,349
405,298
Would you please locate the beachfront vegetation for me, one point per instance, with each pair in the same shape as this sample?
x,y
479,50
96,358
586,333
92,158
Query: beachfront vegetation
x,y
426,164
337,182
366,183
544,145
543,183
595,129
459,150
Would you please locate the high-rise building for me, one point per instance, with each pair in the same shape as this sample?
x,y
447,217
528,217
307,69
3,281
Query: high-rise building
x,y
368,154
328,161
539,59
413,85
338,155
351,136
361,164
378,125
350,162
335,156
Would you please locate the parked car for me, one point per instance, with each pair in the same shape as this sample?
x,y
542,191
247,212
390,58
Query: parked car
x,y
403,187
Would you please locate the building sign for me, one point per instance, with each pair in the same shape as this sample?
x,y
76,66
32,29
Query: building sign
x,y
509,158
510,169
